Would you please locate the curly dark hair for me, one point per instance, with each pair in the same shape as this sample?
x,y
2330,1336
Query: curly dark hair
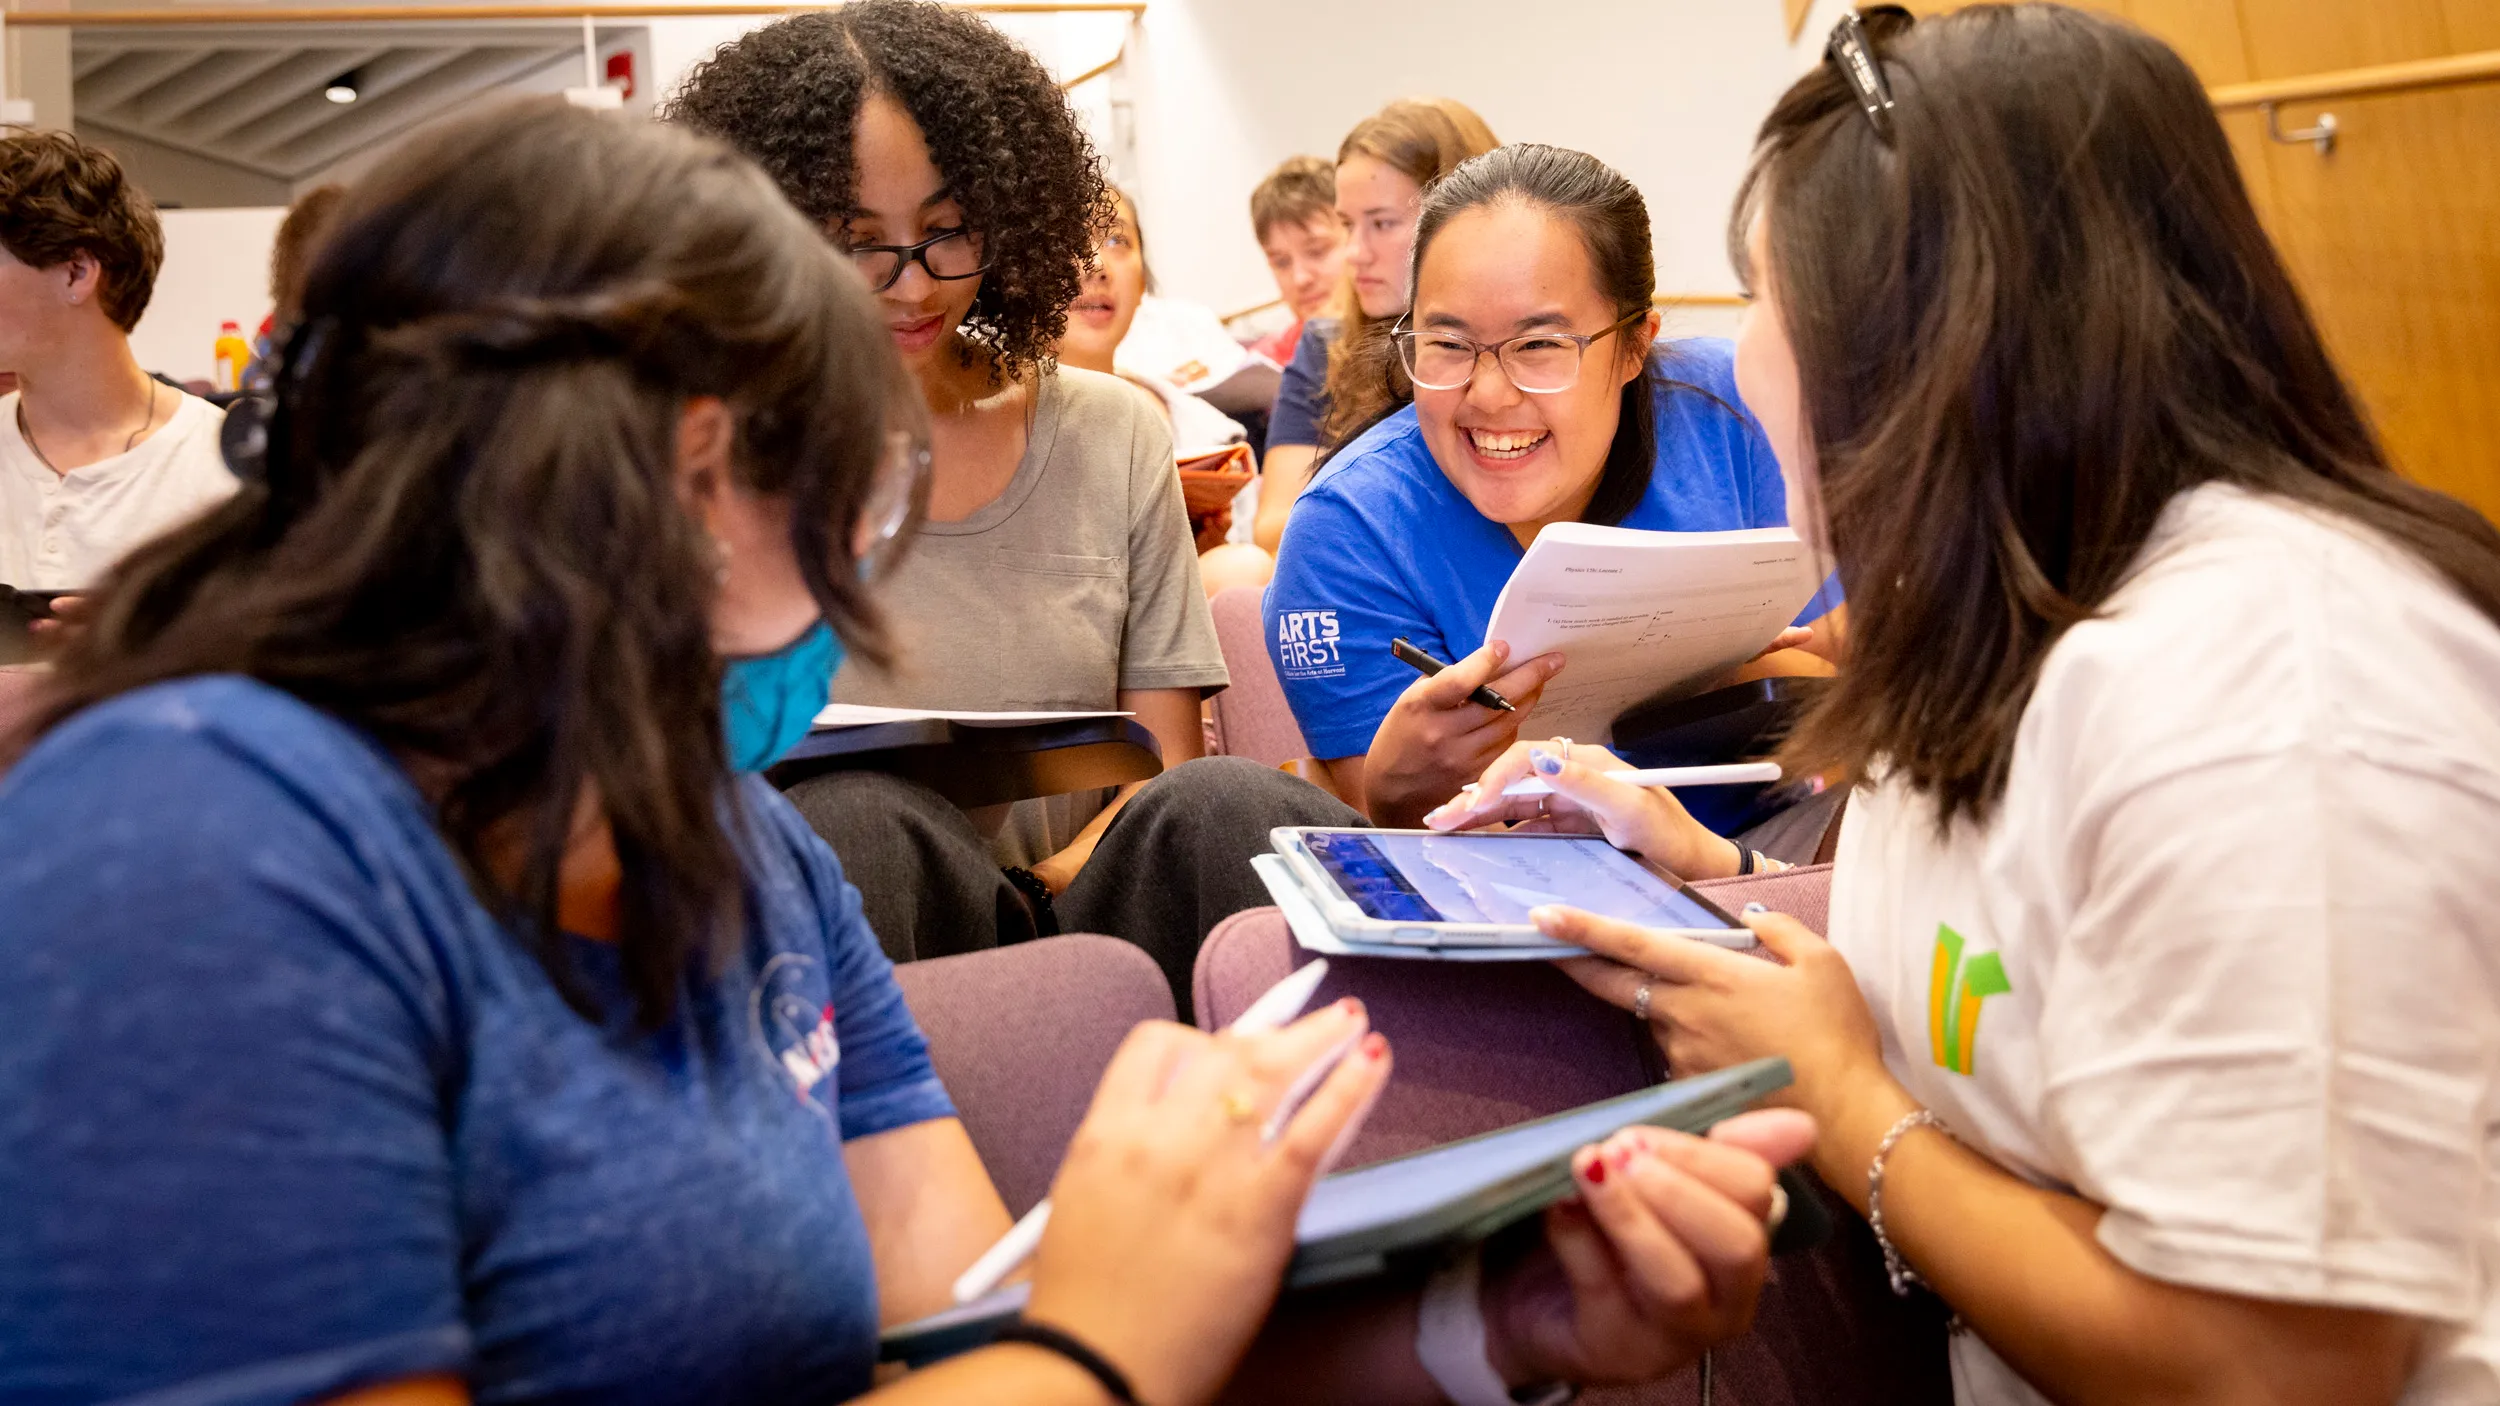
x,y
60,197
1013,154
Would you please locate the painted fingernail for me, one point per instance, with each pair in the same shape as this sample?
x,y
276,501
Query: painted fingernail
x,y
1621,1157
1349,1006
1756,908
1375,1045
1596,1173
1544,761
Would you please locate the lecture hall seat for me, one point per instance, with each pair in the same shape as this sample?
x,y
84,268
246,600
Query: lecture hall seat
x,y
17,694
1484,1046
1021,1034
1251,716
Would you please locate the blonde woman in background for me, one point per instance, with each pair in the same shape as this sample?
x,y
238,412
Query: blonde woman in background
x,y
1383,166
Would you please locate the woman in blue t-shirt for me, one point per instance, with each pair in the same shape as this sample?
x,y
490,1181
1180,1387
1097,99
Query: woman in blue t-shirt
x,y
1548,398
416,997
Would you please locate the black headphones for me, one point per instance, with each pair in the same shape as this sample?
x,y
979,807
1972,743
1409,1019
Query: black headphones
x,y
258,422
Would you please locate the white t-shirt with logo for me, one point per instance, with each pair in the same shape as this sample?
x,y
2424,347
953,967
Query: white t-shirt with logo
x,y
61,532
1178,342
2226,958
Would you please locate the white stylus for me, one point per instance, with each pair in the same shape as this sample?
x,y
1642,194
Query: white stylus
x,y
1738,774
1274,1010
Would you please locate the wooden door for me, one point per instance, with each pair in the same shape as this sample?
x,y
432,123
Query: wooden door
x,y
2394,235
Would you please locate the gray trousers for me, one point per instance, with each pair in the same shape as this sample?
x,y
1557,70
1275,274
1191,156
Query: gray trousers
x,y
1174,862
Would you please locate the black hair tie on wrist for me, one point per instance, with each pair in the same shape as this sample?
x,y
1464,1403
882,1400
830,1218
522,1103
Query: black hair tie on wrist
x,y
1049,1339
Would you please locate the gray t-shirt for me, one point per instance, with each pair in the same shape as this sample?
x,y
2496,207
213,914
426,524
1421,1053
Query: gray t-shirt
x,y
1078,581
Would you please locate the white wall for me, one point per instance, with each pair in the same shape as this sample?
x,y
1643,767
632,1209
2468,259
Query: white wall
x,y
1216,92
1667,91
216,270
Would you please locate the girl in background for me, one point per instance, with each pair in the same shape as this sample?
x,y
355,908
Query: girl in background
x,y
1382,168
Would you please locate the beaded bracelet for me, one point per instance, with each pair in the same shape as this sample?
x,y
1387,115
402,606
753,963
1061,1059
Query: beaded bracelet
x,y
1898,1270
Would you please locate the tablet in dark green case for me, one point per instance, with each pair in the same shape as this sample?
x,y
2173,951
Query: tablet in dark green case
x,y
1357,1223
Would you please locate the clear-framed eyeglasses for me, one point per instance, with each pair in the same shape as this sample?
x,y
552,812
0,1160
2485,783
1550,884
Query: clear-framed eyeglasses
x,y
902,476
947,255
1539,363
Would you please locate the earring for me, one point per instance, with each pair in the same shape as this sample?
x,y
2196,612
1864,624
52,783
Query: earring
x,y
720,573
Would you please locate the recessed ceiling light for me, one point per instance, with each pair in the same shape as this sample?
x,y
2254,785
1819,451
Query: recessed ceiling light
x,y
342,89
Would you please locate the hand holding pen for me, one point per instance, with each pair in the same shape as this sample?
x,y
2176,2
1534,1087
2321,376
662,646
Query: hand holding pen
x,y
1441,732
1272,1011
1176,1206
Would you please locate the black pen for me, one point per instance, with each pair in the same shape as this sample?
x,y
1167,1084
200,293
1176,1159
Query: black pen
x,y
1428,666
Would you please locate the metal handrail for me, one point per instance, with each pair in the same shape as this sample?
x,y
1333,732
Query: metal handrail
x,y
188,17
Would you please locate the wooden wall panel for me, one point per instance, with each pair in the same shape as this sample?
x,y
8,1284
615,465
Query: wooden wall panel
x,y
2205,32
2394,237
2395,241
2286,38
2472,25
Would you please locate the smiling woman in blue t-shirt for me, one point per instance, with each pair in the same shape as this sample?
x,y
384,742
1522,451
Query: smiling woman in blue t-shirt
x,y
1541,394
416,998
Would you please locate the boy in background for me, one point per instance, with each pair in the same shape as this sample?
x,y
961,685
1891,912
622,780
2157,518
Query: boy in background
x,y
96,456
1294,213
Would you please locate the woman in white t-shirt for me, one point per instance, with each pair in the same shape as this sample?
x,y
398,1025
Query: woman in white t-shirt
x,y
2158,1029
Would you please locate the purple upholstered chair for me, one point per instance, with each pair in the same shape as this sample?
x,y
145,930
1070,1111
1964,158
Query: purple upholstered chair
x,y
1251,717
1482,1046
17,695
1021,1035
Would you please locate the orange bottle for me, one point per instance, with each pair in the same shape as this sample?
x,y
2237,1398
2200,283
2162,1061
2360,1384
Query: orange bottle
x,y
233,355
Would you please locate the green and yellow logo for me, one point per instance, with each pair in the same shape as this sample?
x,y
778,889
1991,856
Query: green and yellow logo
x,y
1956,987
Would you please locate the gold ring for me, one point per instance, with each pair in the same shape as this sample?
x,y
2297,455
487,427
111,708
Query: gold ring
x,y
1238,1108
1542,802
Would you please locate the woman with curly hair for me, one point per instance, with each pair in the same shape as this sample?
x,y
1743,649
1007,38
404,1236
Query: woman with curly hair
x,y
1057,569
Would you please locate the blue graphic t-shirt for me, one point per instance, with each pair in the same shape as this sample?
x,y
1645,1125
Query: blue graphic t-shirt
x,y
283,1111
1382,544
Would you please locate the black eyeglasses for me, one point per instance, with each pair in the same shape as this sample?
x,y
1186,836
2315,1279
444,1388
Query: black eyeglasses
x,y
1850,51
948,255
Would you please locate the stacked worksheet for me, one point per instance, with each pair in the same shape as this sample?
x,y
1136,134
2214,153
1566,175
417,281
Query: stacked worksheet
x,y
1641,617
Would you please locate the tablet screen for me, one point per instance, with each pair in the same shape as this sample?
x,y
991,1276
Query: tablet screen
x,y
1497,878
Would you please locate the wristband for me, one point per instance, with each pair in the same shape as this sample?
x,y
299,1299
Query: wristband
x,y
1049,1339
1450,1342
1037,900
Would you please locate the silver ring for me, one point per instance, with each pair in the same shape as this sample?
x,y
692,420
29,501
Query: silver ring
x,y
1566,746
1541,803
1779,1209
1640,1003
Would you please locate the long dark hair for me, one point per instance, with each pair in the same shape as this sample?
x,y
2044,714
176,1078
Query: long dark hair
x,y
2024,323
1424,139
468,539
